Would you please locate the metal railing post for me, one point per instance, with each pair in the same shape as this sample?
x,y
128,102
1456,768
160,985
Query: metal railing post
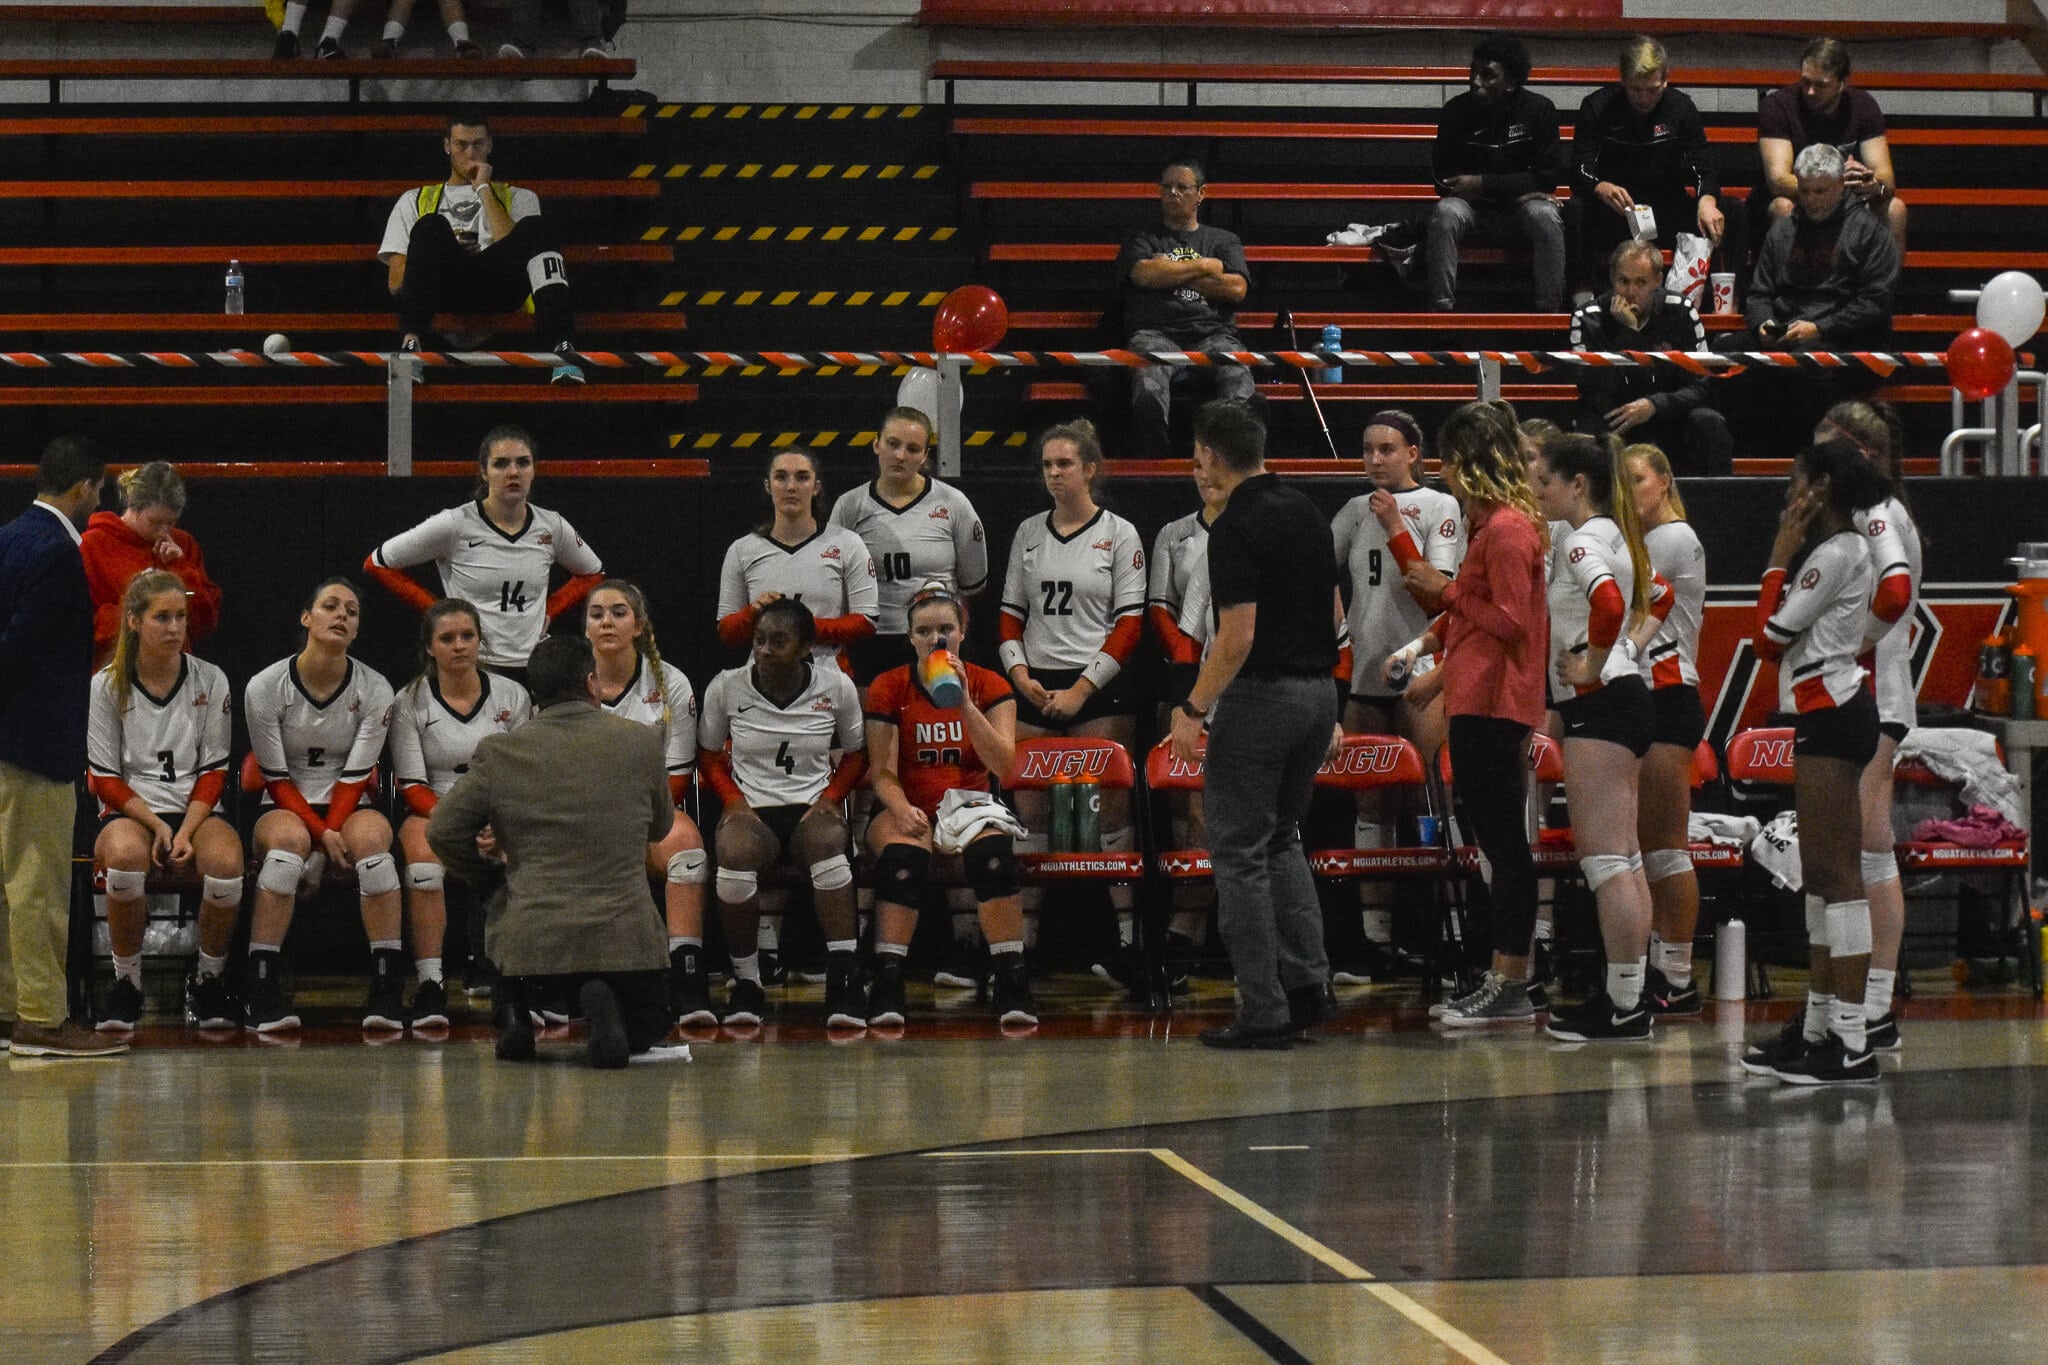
x,y
1489,379
401,372
952,402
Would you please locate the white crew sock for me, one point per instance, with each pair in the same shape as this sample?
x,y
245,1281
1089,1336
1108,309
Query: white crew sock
x,y
1818,1009
294,16
458,32
129,969
1877,993
393,31
1847,1024
209,965
747,968
334,29
1674,960
1625,984
429,969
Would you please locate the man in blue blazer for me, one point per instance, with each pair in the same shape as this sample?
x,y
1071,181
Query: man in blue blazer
x,y
45,666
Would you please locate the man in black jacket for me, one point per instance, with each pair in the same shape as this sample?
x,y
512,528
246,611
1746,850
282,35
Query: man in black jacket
x,y
1662,405
1497,161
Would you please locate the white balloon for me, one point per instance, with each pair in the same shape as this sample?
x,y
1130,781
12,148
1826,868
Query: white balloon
x,y
920,390
277,343
2012,305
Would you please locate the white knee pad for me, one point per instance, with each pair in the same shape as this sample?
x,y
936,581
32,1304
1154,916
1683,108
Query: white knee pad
x,y
687,868
376,875
1879,868
1816,922
281,872
1662,864
1849,928
425,876
1371,834
736,887
1602,868
831,874
124,885
222,890
1118,840
544,270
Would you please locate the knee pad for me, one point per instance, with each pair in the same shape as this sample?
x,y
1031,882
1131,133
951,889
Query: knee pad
x,y
1602,868
221,890
376,875
1118,840
736,887
991,867
1879,868
687,868
1370,834
425,876
1849,928
1662,864
831,874
124,885
544,269
1816,922
900,874
281,872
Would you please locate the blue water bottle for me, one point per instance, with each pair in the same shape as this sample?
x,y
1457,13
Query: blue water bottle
x,y
1333,340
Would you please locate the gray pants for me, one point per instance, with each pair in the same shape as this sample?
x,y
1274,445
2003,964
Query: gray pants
x,y
1535,218
1268,738
592,19
1149,400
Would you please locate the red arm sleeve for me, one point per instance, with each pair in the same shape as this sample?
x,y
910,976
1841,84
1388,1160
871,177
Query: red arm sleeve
x,y
1342,672
1123,637
286,796
1403,546
343,803
206,791
399,584
419,798
717,769
1180,646
735,630
111,791
1603,623
1767,599
1892,597
678,787
852,768
1009,626
572,592
1662,598
844,630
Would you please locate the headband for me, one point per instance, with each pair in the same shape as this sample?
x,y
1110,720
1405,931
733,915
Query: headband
x,y
1387,417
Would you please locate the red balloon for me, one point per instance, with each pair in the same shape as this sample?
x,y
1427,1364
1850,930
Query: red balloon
x,y
1980,363
971,318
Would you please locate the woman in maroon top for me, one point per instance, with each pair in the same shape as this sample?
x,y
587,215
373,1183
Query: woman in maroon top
x,y
1495,637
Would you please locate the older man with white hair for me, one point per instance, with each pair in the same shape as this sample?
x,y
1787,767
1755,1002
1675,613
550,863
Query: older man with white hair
x,y
1826,275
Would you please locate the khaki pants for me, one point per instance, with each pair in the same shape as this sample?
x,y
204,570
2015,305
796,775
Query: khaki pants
x,y
35,894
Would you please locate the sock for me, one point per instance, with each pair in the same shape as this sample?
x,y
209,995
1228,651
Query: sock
x,y
1625,984
842,945
335,28
896,950
209,965
676,941
1379,926
747,968
429,969
1818,1008
458,32
1847,1024
768,935
1008,945
1542,931
1126,930
966,926
1030,931
1877,993
272,948
294,16
387,945
1674,960
129,969
394,31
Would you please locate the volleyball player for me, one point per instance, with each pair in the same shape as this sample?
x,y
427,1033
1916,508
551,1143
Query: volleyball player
x,y
1378,535
158,728
436,723
929,766
1596,676
796,556
634,682
495,552
1678,721
1895,561
1813,616
1073,612
317,723
782,743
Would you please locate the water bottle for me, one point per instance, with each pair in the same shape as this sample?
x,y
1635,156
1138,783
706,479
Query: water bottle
x,y
234,304
1087,816
942,679
1333,340
2022,678
1731,961
1061,836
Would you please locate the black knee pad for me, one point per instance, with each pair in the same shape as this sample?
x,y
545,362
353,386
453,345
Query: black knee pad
x,y
900,874
991,867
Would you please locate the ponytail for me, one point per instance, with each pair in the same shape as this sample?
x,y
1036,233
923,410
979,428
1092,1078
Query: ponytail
x,y
135,600
1599,460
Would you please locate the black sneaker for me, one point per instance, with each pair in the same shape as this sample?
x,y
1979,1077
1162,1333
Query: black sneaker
x,y
1125,966
773,970
430,1005
1375,963
269,1010
480,982
1829,1062
121,1009
965,966
1764,1059
329,49
689,991
384,49
1012,991
846,1004
1667,999
565,371
1596,1020
885,993
287,44
468,51
1539,997
1181,954
745,1002
1882,1033
384,1004
209,1004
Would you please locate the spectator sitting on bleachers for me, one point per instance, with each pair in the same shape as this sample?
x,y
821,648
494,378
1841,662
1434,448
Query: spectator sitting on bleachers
x,y
596,23
1826,275
1497,162
1820,107
1664,406
1182,282
400,14
471,245
1641,142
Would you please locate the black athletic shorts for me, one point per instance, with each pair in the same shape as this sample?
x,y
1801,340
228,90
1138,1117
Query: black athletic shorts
x,y
1898,730
1619,713
1677,717
1848,732
873,655
782,822
172,820
1114,701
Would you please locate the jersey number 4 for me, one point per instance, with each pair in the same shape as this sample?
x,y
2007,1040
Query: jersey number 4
x,y
1059,596
783,760
512,596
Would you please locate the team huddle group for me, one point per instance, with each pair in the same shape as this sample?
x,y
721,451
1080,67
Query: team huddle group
x,y
834,710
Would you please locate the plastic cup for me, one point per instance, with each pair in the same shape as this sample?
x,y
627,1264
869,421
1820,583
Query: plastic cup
x,y
1723,283
1427,830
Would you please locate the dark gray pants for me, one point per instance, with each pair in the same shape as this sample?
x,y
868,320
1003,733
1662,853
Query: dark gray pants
x,y
1268,738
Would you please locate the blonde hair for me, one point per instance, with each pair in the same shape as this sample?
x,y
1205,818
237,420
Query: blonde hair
x,y
1641,55
1655,458
1481,444
135,600
156,484
643,643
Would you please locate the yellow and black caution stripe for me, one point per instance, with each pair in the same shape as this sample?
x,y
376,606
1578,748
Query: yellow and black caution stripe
x,y
799,113
786,170
809,298
822,440
888,236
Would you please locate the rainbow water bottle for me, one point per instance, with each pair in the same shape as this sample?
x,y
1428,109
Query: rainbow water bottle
x,y
942,679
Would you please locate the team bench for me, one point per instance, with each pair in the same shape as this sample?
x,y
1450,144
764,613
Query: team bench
x,y
1182,129
1554,324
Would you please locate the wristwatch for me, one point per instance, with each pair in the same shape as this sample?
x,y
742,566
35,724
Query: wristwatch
x,y
1190,712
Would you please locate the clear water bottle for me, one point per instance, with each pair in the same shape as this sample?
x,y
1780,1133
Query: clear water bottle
x,y
1333,340
234,304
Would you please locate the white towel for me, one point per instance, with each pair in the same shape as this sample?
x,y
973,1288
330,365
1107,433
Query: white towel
x,y
1712,827
964,814
1357,234
1776,849
1970,758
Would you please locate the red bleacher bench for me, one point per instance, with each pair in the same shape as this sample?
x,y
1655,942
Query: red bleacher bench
x,y
294,253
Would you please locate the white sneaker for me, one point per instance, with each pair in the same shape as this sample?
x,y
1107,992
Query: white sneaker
x,y
602,48
1497,1001
511,51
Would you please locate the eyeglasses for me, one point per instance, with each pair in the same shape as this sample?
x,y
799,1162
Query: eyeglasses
x,y
1180,189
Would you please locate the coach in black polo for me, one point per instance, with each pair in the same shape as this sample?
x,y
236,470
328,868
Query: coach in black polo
x,y
1266,696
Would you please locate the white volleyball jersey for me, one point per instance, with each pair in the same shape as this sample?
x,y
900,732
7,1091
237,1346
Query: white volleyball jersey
x,y
160,745
1893,542
317,744
1180,548
1671,660
1383,615
505,577
832,573
782,753
1819,621
1070,590
432,742
667,703
1553,568
1589,556
936,535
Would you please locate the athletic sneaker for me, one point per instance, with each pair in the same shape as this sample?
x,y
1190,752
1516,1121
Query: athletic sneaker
x,y
745,1002
209,1004
773,972
1443,1007
1596,1020
1539,997
964,967
1667,999
846,1004
885,992
1375,963
511,52
1829,1062
1764,1059
384,1004
269,1010
1883,1032
287,44
1012,991
384,49
430,1005
329,50
1497,1001
121,1010
1125,967
468,51
600,48
565,370
689,991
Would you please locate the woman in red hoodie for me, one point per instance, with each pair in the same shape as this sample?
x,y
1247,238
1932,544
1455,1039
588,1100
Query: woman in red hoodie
x,y
145,535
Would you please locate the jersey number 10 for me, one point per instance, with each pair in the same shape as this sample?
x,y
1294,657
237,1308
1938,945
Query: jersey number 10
x,y
895,566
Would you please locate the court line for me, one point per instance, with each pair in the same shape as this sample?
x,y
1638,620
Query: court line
x,y
424,1160
1276,1347
1286,1147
